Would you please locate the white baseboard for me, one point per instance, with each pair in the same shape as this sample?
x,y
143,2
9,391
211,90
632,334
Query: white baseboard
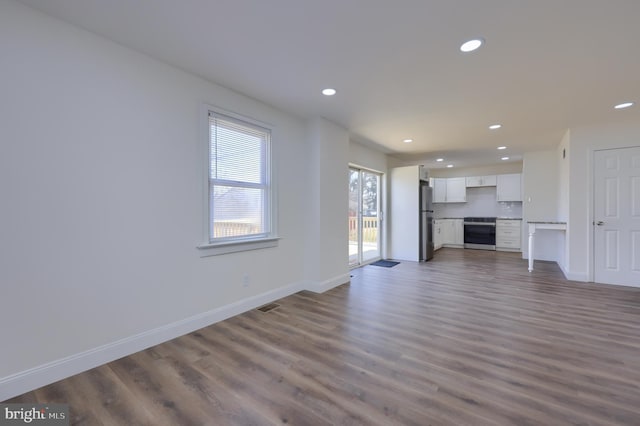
x,y
564,270
321,287
573,276
42,375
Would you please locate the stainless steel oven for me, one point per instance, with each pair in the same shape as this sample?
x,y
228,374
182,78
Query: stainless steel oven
x,y
480,233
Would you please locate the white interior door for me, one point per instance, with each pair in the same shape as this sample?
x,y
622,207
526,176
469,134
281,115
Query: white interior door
x,y
617,216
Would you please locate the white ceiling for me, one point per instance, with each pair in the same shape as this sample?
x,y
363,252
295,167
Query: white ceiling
x,y
547,65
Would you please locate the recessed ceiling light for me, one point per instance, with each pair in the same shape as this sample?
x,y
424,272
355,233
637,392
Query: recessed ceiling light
x,y
471,45
449,165
439,160
502,147
407,140
329,92
495,126
504,158
623,105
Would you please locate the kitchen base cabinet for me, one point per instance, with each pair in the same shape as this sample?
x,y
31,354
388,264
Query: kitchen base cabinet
x,y
452,232
437,234
458,229
508,235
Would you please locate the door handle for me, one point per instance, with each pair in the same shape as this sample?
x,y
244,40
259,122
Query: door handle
x,y
599,223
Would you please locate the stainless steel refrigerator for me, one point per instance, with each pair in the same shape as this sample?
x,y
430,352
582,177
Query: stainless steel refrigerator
x,y
426,221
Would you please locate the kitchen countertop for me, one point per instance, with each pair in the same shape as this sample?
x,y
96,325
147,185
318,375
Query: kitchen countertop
x,y
499,218
552,222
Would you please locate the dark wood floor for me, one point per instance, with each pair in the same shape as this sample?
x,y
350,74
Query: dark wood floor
x,y
470,338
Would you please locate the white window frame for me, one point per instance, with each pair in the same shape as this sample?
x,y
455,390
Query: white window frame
x,y
236,244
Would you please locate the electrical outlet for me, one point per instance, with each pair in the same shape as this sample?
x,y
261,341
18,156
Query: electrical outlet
x,y
245,280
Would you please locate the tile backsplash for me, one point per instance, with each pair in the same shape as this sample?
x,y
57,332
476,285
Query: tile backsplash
x,y
480,202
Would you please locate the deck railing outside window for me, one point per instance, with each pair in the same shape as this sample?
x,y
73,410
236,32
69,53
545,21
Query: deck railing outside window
x,y
369,229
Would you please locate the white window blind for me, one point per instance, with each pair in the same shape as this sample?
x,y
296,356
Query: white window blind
x,y
239,181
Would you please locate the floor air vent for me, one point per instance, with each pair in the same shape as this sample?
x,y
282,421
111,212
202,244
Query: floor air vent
x,y
269,307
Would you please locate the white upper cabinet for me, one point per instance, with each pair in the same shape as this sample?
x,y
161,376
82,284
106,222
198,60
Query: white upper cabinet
x,y
449,190
509,187
476,181
439,189
456,190
424,173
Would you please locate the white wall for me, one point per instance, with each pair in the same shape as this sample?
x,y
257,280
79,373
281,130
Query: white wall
x,y
481,201
583,142
326,216
495,169
563,159
540,186
564,197
102,180
366,157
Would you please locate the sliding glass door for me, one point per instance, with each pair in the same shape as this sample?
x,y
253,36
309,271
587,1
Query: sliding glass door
x,y
364,216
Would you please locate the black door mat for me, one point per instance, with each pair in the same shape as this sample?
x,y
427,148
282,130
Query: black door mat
x,y
385,263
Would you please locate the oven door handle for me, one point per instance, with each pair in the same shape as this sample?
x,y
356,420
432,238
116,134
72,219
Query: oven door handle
x,y
479,223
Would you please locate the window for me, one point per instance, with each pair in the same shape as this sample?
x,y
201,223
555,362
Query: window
x,y
239,181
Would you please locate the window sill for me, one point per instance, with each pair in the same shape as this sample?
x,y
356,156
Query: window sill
x,y
215,249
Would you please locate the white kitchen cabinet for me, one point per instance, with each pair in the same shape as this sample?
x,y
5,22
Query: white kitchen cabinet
x,y
509,187
458,232
445,225
456,190
449,190
452,233
439,189
477,181
423,172
508,235
437,234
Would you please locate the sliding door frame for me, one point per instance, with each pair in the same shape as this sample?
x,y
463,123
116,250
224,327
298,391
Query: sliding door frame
x,y
363,227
